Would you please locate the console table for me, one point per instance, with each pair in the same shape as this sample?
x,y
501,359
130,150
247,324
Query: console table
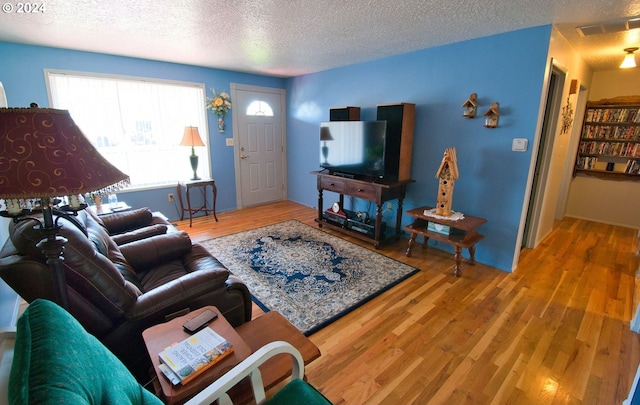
x,y
374,191
461,233
202,184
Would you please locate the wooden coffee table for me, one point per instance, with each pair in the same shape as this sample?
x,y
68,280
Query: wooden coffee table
x,y
463,234
246,338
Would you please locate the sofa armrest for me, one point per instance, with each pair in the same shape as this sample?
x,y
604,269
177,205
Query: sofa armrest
x,y
139,234
127,220
237,286
179,293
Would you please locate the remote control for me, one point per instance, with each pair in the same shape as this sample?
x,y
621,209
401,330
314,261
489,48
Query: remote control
x,y
200,321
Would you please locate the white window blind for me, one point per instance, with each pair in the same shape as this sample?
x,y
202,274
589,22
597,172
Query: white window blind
x,y
136,124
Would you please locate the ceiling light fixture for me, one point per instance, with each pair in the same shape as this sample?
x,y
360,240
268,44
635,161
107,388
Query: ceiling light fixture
x,y
629,60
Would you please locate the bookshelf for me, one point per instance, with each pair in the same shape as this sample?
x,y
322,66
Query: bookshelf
x,y
609,145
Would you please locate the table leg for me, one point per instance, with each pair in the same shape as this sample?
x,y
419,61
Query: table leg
x,y
458,255
425,242
179,193
189,207
319,207
205,207
215,196
412,240
377,235
472,255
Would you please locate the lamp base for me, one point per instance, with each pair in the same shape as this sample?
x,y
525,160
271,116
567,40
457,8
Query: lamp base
x,y
194,165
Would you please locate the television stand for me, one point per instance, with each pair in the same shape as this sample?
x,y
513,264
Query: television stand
x,y
377,192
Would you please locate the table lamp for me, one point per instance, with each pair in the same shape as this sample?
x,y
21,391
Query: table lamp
x,y
325,136
46,165
192,138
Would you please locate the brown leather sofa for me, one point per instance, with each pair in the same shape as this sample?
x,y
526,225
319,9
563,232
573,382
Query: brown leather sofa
x,y
118,290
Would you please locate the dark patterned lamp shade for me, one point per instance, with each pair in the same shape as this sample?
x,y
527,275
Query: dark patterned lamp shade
x,y
43,154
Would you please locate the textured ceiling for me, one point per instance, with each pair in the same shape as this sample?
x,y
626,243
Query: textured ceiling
x,y
288,37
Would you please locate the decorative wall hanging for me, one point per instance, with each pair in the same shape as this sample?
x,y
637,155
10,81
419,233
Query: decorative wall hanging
x,y
567,117
220,104
567,110
447,173
492,116
470,106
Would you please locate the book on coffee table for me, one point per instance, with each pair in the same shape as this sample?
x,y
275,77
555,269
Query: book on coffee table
x,y
188,358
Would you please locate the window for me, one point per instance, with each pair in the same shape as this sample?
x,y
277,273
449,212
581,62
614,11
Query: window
x,y
260,108
136,123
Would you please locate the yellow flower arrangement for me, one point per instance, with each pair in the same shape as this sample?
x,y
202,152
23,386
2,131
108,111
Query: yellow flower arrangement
x,y
219,103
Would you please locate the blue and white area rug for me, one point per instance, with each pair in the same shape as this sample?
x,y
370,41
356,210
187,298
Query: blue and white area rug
x,y
311,277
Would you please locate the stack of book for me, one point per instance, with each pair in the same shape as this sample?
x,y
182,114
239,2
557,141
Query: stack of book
x,y
185,360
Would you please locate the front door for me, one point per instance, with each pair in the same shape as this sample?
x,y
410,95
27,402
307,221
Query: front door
x,y
259,145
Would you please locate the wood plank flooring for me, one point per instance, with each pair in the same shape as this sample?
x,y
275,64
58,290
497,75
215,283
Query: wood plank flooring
x,y
554,332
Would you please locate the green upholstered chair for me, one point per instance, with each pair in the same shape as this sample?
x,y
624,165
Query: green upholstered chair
x,y
296,392
55,361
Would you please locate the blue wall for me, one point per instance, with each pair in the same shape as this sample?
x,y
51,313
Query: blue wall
x,y
508,68
21,73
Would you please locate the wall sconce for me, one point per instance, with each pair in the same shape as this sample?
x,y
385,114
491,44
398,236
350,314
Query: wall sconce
x,y
629,60
492,116
470,106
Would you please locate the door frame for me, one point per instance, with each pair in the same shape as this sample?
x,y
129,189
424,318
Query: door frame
x,y
234,87
533,199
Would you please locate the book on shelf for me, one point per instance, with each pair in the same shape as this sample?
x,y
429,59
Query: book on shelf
x,y
633,167
187,359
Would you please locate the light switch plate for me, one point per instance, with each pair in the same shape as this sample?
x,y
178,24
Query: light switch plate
x,y
519,145
229,141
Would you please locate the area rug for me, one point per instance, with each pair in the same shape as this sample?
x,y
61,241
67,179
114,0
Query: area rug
x,y
311,277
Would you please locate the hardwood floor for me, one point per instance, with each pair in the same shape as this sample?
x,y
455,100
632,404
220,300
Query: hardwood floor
x,y
554,332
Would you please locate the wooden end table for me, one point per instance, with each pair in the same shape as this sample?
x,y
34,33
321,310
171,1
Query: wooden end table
x,y
106,209
201,184
463,234
159,337
252,335
267,328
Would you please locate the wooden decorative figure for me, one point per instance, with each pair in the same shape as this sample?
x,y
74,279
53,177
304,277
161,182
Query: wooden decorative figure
x,y
492,116
470,106
447,173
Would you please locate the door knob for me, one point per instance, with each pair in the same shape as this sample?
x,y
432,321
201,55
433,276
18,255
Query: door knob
x,y
243,156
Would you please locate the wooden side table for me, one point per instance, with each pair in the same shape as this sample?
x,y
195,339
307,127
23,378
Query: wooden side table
x,y
201,184
462,234
106,209
246,338
159,337
267,328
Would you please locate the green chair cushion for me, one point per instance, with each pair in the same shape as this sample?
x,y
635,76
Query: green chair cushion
x,y
56,361
298,392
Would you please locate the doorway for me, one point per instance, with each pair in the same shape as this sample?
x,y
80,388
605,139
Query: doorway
x,y
532,228
259,144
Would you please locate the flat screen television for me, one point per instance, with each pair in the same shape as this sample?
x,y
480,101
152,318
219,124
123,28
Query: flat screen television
x,y
355,148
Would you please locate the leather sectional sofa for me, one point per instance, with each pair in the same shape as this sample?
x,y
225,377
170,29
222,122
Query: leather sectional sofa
x,y
124,273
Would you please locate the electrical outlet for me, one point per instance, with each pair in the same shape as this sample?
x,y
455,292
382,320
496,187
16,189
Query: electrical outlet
x,y
170,197
389,207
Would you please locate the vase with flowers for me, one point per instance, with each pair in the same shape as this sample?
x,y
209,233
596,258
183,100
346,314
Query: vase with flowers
x,y
220,104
